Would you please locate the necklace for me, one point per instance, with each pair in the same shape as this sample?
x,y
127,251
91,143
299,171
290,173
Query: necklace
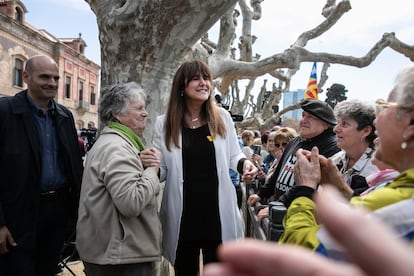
x,y
193,122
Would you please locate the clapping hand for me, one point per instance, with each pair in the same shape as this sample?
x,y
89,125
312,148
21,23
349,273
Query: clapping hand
x,y
307,170
330,175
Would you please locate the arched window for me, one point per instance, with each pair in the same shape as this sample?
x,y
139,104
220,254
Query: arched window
x,y
80,91
82,49
18,72
18,15
80,124
92,98
68,82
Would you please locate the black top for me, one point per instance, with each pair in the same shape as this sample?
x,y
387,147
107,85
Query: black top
x,y
200,218
282,178
20,166
52,176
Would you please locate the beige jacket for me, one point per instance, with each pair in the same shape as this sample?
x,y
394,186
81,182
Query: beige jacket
x,y
118,220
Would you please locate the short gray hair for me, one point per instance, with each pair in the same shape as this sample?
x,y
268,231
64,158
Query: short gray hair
x,y
115,98
363,114
404,88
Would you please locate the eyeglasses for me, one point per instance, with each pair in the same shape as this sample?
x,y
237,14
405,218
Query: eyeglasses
x,y
277,145
381,105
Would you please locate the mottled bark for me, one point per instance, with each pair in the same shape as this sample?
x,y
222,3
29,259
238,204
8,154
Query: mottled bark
x,y
146,40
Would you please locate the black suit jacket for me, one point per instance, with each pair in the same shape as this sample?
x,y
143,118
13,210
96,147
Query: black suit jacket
x,y
20,165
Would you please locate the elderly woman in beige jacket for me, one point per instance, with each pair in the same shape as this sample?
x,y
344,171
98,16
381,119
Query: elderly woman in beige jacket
x,y
118,230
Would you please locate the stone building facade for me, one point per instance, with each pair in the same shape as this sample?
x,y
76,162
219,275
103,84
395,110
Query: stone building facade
x,y
79,76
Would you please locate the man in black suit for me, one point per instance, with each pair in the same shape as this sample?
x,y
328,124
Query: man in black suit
x,y
40,173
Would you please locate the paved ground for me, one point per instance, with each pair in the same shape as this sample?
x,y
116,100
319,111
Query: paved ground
x,y
77,268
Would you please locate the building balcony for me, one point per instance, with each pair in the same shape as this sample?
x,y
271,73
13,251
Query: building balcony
x,y
82,107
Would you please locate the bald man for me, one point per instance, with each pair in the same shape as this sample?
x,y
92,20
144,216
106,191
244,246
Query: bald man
x,y
40,168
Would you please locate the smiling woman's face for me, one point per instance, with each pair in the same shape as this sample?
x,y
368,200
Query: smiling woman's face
x,y
390,128
198,88
134,117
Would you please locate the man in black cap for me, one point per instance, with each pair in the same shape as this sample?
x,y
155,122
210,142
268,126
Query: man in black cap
x,y
316,129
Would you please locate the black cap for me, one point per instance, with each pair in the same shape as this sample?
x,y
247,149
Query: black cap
x,y
319,109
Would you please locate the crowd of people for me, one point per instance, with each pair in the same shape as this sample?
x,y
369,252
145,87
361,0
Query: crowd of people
x,y
346,177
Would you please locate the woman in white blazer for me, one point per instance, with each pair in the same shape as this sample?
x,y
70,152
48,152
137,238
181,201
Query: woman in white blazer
x,y
198,143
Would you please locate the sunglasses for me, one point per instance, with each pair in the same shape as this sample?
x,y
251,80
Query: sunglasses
x,y
277,145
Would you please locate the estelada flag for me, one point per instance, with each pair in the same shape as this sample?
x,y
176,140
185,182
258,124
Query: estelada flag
x,y
312,89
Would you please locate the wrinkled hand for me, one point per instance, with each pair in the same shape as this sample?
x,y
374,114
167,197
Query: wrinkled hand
x,y
150,157
329,171
330,175
263,213
5,238
249,172
253,199
307,170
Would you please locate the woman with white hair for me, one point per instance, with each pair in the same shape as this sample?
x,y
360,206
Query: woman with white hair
x,y
355,135
118,230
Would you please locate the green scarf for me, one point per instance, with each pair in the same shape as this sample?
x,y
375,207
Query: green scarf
x,y
132,137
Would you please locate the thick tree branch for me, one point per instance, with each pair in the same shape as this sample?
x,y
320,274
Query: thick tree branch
x,y
146,40
293,57
331,20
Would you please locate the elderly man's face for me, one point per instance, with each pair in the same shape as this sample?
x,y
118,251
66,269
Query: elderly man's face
x,y
311,126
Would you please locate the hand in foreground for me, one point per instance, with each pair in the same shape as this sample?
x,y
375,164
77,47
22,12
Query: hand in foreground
x,y
150,157
5,239
252,257
307,170
249,171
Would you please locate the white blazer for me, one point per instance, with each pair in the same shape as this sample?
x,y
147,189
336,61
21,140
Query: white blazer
x,y
228,154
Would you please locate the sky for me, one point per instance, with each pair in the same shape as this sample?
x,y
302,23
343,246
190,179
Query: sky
x,y
281,23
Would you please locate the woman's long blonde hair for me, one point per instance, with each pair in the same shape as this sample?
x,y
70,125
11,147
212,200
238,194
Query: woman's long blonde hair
x,y
177,103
